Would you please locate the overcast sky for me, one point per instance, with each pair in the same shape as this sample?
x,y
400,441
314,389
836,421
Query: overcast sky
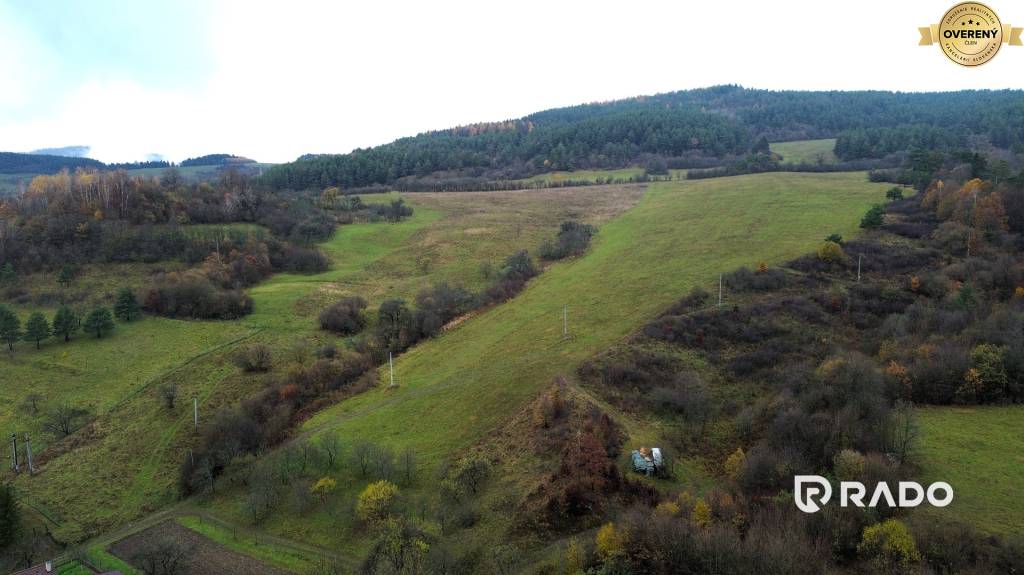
x,y
273,80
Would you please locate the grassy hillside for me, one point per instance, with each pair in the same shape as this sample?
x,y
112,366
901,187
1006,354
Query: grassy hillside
x,y
980,452
125,464
806,151
456,389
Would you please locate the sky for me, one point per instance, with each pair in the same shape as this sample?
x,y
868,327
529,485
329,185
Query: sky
x,y
274,80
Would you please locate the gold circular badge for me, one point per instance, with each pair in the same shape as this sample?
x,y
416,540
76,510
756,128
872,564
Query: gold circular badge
x,y
970,34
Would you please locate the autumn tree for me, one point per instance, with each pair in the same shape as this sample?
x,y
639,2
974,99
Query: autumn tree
x,y
376,501
610,542
37,328
889,546
99,322
323,488
65,323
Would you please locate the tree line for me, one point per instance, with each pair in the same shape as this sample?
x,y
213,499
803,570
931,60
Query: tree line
x,y
722,122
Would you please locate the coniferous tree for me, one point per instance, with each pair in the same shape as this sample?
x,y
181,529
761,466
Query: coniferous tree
x,y
65,323
7,274
127,307
99,322
10,327
10,517
37,328
67,274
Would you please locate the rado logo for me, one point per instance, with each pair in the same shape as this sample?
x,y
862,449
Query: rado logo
x,y
812,492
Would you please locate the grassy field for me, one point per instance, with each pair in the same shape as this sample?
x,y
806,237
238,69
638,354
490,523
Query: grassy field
x,y
125,464
457,388
980,452
806,151
594,175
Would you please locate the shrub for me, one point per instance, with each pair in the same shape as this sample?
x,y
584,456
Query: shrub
x,y
611,542
889,546
735,463
572,239
849,465
254,358
376,502
344,317
874,218
831,252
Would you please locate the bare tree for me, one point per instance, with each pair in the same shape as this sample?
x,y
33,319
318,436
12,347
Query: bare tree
x,y
164,558
330,444
407,464
903,430
64,420
169,394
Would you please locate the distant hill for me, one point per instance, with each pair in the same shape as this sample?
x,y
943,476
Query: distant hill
x,y
14,163
690,127
216,160
66,151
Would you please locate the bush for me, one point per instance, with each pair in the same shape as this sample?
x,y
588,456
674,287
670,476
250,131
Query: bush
x,y
376,502
344,317
255,358
831,252
572,239
874,218
889,546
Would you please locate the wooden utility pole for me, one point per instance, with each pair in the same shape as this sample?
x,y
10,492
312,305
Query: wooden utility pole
x,y
195,412
28,456
565,321
719,290
391,367
859,258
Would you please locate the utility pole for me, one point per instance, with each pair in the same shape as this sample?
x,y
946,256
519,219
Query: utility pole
x,y
719,290
28,456
195,412
14,452
859,258
391,367
565,321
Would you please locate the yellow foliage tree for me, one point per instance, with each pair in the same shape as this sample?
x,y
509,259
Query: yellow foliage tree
x,y
734,463
701,513
667,509
323,488
611,542
375,502
889,545
831,252
574,558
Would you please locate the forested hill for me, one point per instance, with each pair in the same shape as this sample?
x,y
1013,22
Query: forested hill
x,y
690,126
12,163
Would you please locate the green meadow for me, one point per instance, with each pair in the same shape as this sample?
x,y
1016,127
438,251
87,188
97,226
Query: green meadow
x,y
455,390
124,464
806,151
979,451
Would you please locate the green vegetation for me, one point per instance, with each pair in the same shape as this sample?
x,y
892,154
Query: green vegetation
x,y
980,452
268,551
132,464
498,360
806,151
